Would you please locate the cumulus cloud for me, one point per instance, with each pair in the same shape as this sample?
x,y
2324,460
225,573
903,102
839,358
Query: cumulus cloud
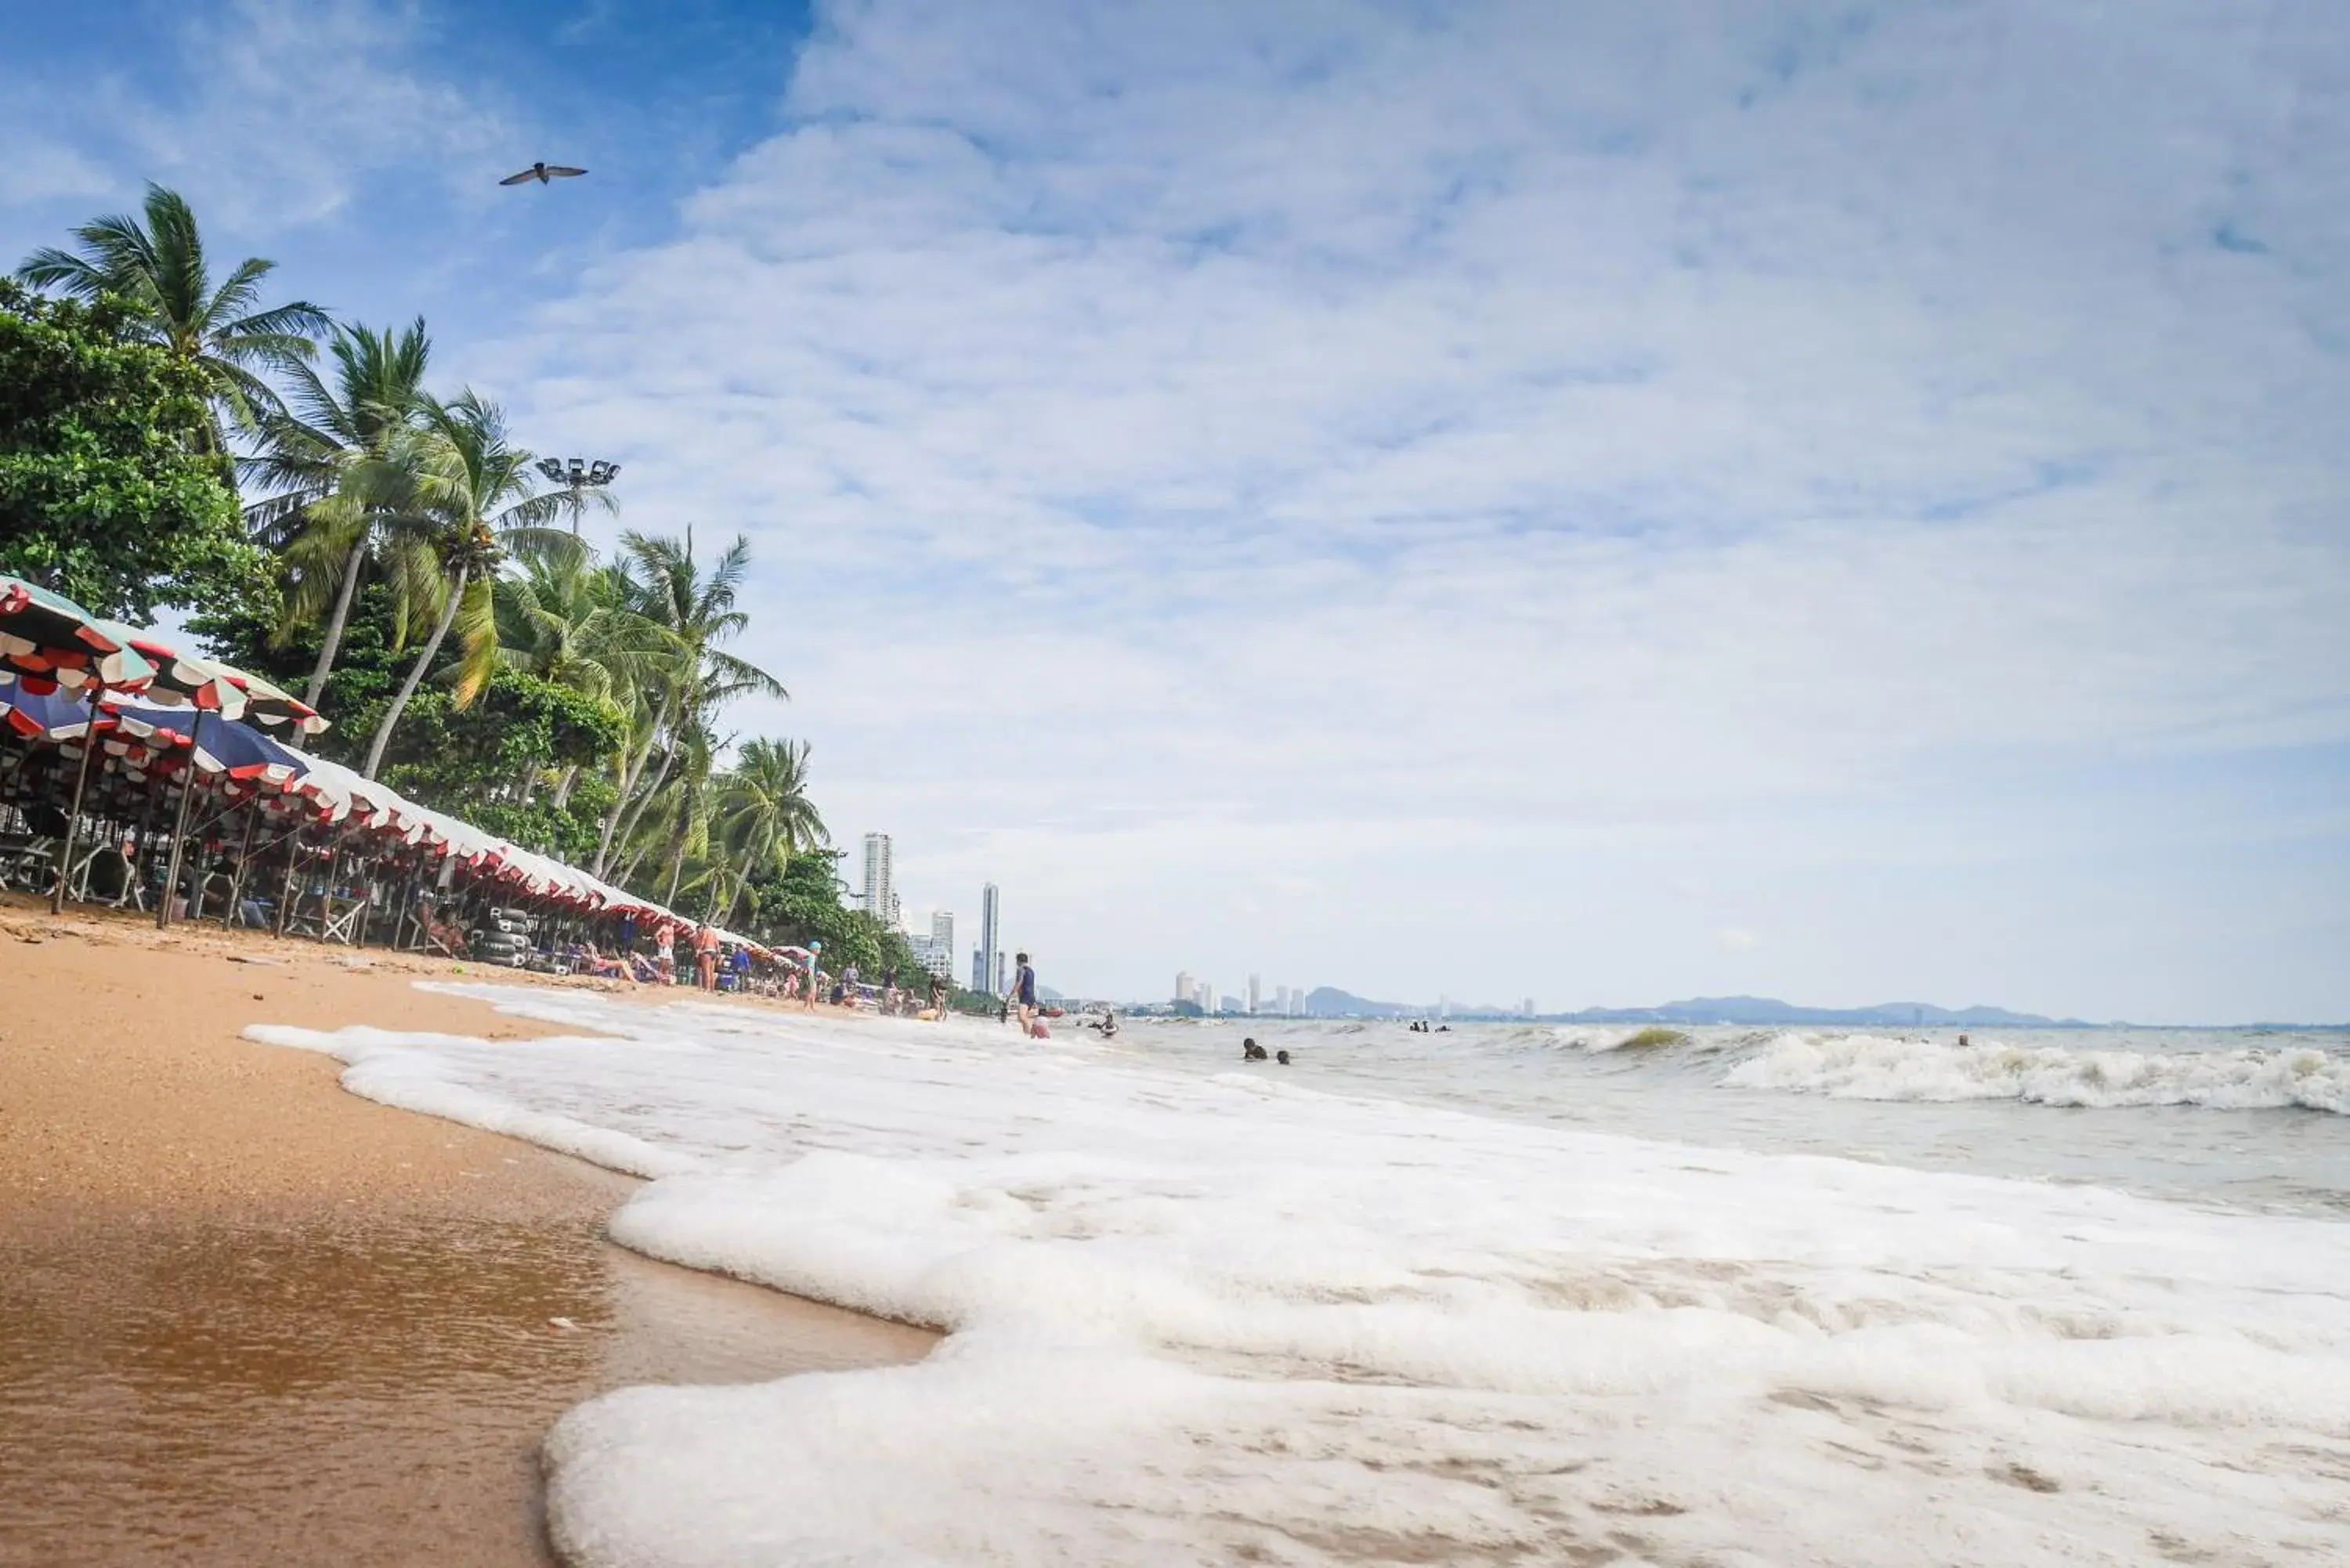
x,y
1278,486
274,112
1265,440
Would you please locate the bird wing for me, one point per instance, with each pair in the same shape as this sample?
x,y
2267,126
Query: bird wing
x,y
563,171
518,179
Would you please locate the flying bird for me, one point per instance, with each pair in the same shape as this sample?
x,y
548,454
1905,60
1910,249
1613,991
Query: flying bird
x,y
544,173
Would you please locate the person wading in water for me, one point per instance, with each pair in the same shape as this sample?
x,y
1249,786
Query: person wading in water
x,y
1022,994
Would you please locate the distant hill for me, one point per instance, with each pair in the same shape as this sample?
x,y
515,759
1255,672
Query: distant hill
x,y
1329,1001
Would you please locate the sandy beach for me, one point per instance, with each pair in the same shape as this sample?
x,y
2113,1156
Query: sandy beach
x,y
248,1318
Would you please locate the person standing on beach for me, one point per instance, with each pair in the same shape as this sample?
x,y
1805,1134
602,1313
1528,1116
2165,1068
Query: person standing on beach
x,y
1022,994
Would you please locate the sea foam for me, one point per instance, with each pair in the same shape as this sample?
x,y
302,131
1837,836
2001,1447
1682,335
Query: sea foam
x,y
1218,1316
1876,1067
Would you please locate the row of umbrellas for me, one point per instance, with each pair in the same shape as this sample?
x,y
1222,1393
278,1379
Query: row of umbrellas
x,y
51,644
67,674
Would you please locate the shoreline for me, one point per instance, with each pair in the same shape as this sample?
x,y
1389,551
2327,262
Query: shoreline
x,y
253,1317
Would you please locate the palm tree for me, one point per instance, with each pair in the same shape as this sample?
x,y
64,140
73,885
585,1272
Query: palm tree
x,y
460,471
571,623
324,463
158,272
697,612
765,815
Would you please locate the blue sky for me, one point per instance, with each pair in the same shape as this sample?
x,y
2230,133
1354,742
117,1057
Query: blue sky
x,y
1603,502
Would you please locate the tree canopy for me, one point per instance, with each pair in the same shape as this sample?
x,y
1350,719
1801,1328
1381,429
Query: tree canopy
x,y
168,440
107,493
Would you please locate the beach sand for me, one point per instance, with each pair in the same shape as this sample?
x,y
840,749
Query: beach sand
x,y
248,1318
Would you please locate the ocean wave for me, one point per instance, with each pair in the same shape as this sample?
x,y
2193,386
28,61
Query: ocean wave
x,y
1876,1067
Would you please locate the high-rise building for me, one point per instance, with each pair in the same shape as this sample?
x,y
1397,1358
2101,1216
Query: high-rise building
x,y
935,952
987,967
1255,987
1206,996
1184,985
881,899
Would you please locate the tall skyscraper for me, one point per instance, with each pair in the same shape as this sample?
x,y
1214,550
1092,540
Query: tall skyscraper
x,y
1183,985
1256,987
987,965
881,899
943,934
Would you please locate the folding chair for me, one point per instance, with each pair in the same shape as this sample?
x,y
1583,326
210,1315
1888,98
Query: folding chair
x,y
339,918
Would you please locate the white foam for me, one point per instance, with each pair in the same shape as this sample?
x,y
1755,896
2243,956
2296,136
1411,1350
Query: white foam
x,y
1215,1317
1875,1067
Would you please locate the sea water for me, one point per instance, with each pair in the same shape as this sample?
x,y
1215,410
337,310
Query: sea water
x,y
2026,1102
1497,1295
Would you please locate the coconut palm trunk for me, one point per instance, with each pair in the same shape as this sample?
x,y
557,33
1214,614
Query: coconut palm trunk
x,y
415,674
331,644
646,796
630,778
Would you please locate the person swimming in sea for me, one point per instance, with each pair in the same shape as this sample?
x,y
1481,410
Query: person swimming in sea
x,y
1282,1057
1252,1052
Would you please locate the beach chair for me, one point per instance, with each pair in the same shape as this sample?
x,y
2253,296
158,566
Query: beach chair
x,y
107,877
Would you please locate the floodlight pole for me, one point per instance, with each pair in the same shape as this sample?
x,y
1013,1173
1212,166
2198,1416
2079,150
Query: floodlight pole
x,y
578,475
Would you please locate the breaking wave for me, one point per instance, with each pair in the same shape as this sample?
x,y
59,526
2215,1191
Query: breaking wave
x,y
1876,1067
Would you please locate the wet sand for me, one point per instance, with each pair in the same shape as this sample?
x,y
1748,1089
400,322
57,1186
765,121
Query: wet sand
x,y
248,1318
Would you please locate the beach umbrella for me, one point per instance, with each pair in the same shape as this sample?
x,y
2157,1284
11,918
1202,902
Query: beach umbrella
x,y
237,749
48,717
183,678
52,641
269,704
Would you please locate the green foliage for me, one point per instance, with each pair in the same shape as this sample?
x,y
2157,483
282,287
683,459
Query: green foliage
x,y
105,493
564,703
802,905
154,270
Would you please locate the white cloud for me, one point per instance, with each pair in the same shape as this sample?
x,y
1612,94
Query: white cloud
x,y
267,113
1737,938
1192,445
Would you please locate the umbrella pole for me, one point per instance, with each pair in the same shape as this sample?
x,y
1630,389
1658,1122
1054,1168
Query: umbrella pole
x,y
179,824
293,860
367,906
236,868
73,817
407,902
